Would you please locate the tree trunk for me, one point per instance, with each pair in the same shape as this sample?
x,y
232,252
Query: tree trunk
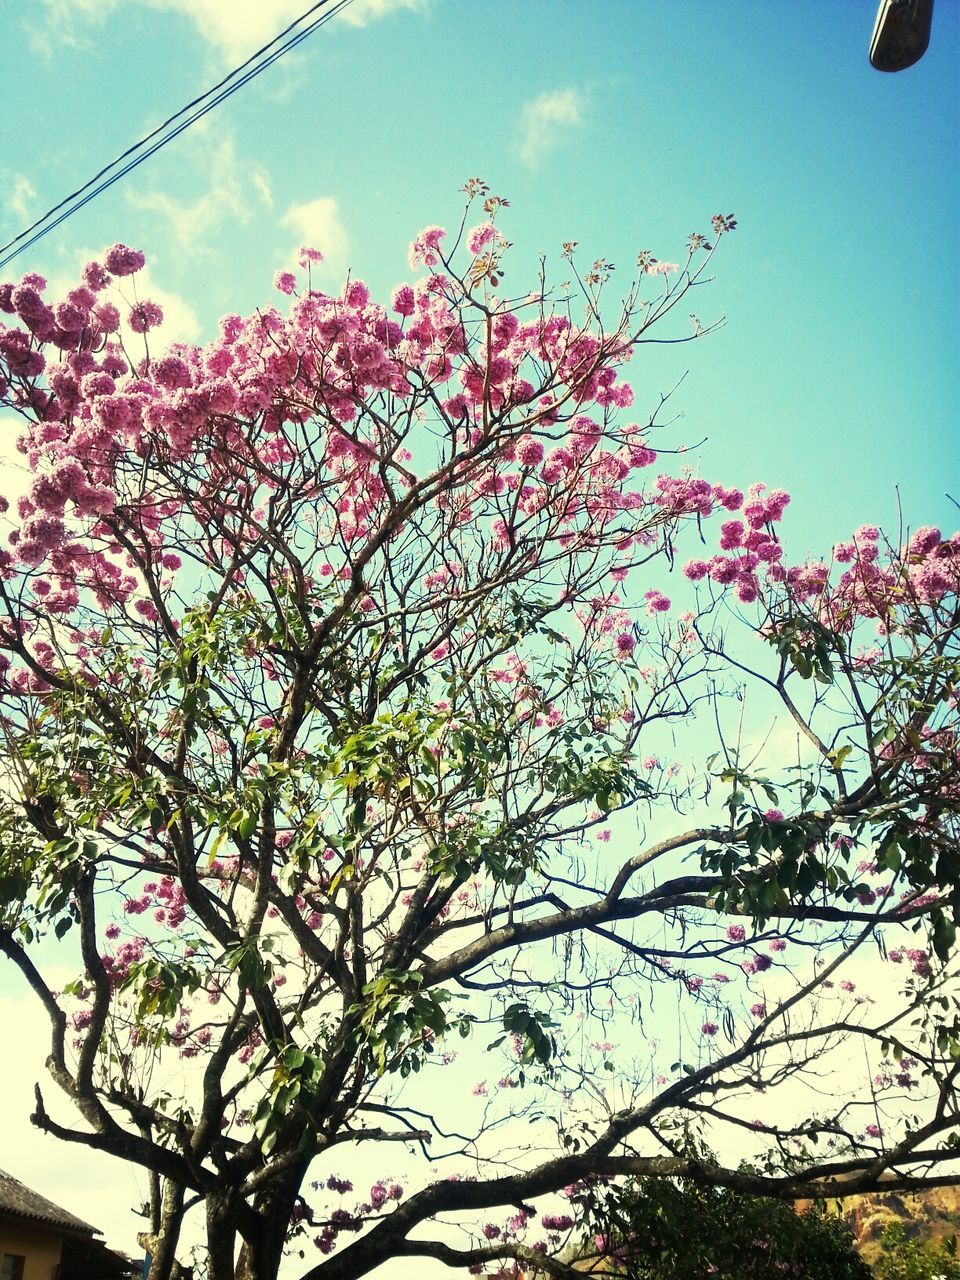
x,y
162,1243
221,1238
260,1257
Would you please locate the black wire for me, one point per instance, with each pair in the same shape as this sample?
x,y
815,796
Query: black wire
x,y
176,116
197,115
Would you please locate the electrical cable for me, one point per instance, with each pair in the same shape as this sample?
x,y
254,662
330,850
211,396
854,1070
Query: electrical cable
x,y
227,89
160,127
183,110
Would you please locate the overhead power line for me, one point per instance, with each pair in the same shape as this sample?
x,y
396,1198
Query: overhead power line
x,y
173,126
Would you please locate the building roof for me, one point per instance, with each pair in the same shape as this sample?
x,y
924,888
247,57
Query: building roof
x,y
86,1258
19,1201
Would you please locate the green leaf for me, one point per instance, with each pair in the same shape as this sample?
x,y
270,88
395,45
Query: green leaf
x,y
944,936
247,825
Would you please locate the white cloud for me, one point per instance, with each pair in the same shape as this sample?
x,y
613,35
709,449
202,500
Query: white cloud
x,y
240,27
360,12
180,323
18,191
65,22
67,11
544,120
236,28
230,183
261,183
16,477
316,223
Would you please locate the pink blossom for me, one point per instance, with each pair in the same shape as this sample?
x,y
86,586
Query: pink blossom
x,y
107,316
529,451
556,1222
480,236
731,534
95,276
924,541
144,316
172,372
625,644
403,301
425,248
121,261
695,569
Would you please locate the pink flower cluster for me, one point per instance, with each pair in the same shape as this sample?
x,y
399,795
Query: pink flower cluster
x,y
875,581
753,540
918,959
383,1193
118,963
167,896
231,408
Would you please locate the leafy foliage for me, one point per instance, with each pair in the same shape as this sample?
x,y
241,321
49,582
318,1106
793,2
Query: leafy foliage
x,y
658,1229
905,1258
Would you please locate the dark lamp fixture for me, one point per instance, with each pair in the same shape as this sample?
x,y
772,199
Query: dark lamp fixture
x,y
901,34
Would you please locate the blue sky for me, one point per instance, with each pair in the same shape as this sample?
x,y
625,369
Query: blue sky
x,y
623,124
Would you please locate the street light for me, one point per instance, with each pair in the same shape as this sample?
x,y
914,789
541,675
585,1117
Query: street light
x,y
900,34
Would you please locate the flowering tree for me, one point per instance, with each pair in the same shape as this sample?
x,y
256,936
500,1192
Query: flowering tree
x,y
339,693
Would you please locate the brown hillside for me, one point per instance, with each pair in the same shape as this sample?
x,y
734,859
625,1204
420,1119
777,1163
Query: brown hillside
x,y
928,1215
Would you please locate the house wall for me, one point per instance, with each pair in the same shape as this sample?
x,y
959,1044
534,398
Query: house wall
x,y
38,1245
